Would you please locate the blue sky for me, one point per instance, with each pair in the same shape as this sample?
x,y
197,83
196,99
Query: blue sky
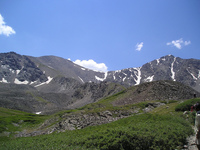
x,y
104,34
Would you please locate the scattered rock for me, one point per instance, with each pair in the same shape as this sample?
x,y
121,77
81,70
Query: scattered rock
x,y
15,124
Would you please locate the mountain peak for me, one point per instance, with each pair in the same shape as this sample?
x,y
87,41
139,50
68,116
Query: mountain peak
x,y
20,69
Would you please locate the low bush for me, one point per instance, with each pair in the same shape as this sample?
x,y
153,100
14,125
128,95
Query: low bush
x,y
141,132
186,105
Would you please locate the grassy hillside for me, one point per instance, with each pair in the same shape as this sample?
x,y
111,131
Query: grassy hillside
x,y
163,128
12,121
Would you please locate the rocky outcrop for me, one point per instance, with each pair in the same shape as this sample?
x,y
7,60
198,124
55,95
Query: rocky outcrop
x,y
81,120
73,122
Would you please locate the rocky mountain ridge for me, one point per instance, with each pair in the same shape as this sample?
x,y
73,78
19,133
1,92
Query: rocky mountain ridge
x,y
39,71
55,83
186,71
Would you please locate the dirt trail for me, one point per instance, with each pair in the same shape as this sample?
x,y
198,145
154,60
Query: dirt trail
x,y
191,141
191,145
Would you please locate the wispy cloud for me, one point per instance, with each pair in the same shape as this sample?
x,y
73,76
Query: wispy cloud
x,y
139,46
91,64
5,29
179,43
187,43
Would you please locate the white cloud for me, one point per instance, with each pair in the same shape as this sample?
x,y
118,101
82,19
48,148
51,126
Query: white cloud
x,y
91,64
4,29
139,46
187,43
179,43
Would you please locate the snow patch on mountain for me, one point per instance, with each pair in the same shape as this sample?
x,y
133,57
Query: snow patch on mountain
x,y
33,82
4,81
102,79
172,70
124,79
193,76
20,82
81,79
138,76
37,113
158,61
149,79
114,76
18,71
163,59
47,82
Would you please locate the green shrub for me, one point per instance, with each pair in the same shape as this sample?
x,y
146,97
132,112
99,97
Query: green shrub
x,y
186,105
140,132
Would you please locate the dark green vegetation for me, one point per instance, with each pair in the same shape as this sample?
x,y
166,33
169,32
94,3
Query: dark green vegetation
x,y
186,105
163,128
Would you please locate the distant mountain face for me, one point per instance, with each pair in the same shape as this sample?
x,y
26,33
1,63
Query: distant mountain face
x,y
40,71
186,71
48,84
66,94
19,69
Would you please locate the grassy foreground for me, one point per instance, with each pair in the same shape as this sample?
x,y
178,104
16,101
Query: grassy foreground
x,y
164,128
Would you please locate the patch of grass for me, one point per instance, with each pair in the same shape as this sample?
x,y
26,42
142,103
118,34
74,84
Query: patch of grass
x,y
165,109
40,99
14,120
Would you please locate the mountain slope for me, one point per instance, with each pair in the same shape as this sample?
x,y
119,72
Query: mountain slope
x,y
39,71
186,71
163,90
55,83
28,98
134,100
55,66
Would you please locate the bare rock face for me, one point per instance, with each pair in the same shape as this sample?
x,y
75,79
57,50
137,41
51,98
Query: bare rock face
x,y
19,69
